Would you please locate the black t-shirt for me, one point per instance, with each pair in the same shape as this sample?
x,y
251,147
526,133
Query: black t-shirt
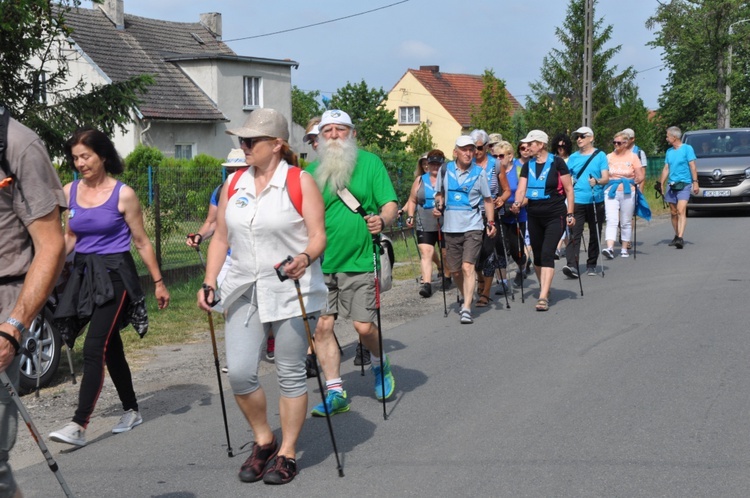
x,y
555,205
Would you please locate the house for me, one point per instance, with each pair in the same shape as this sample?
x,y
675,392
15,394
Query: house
x,y
442,100
201,87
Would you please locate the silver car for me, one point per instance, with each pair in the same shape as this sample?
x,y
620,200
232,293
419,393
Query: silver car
x,y
723,168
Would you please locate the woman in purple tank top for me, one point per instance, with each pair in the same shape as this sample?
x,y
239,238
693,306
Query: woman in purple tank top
x,y
104,215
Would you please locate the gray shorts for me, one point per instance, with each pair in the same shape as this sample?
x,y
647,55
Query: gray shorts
x,y
8,430
462,248
672,196
351,295
244,335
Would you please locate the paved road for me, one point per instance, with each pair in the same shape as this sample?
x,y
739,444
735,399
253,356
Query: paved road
x,y
639,388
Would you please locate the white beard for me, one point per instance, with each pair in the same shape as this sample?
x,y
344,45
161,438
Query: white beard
x,y
337,161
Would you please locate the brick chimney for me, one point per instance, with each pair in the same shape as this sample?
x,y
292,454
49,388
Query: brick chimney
x,y
434,69
212,22
115,12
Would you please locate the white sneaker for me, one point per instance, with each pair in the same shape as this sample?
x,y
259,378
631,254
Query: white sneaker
x,y
624,253
608,252
70,434
129,419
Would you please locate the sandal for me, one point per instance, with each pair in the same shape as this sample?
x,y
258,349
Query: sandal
x,y
542,305
483,301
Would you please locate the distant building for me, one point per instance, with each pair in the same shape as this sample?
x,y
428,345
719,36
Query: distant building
x,y
442,100
201,86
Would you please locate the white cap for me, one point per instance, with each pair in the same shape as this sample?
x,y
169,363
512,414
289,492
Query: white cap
x,y
235,159
582,131
310,135
536,136
465,140
335,116
627,132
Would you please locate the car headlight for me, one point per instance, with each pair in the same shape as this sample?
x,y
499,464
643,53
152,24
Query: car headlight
x,y
747,173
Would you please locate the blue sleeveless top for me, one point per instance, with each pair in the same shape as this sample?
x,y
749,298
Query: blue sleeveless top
x,y
457,197
536,189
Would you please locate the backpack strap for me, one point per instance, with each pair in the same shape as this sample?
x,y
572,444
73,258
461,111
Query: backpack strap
x,y
293,183
4,122
586,164
294,187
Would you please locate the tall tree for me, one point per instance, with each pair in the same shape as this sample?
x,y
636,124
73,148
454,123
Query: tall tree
x,y
35,80
695,37
495,112
373,121
556,101
420,141
305,105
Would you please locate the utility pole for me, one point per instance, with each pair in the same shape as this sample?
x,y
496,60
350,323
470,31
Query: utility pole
x,y
588,62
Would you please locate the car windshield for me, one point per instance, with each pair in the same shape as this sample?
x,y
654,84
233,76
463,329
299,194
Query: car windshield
x,y
729,143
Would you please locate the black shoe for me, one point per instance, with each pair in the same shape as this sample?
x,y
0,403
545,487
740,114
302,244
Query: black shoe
x,y
528,267
679,243
674,241
255,465
311,368
518,280
570,272
362,357
280,471
425,290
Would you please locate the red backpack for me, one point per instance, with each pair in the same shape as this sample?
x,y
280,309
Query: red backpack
x,y
293,184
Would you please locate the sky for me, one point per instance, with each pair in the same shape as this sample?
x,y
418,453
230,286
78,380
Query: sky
x,y
460,36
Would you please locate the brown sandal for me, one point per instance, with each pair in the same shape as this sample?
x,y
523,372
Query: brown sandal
x,y
542,305
483,301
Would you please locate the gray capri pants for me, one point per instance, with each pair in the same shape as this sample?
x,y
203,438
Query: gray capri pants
x,y
244,337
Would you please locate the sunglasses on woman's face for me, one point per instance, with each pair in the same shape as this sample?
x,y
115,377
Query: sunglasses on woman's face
x,y
498,156
616,142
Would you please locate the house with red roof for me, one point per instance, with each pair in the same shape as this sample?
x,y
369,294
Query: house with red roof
x,y
442,100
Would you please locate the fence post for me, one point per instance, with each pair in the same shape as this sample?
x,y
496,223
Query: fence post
x,y
157,223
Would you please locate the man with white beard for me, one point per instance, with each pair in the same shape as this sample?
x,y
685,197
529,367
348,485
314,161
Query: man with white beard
x,y
348,258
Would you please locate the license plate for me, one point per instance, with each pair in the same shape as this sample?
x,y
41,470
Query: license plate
x,y
716,193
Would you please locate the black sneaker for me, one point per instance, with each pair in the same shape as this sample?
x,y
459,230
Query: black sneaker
x,y
679,243
362,357
446,282
518,280
674,241
255,465
280,471
591,270
570,272
311,368
425,290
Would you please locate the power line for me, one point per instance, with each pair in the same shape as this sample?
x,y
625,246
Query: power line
x,y
317,23
649,69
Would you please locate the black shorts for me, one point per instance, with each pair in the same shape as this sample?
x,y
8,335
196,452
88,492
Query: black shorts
x,y
429,238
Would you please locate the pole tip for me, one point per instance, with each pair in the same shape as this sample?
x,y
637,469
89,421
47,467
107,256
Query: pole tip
x,y
341,472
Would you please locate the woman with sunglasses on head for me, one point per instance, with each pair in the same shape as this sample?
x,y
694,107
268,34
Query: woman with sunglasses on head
x,y
543,187
626,173
260,218
421,203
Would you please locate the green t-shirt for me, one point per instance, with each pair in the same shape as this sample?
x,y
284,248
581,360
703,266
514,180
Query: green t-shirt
x,y
349,247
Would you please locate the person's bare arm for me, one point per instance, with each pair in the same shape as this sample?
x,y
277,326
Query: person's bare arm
x,y
694,176
207,229
313,213
49,255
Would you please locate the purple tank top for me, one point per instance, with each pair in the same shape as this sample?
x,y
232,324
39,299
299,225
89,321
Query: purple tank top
x,y
101,229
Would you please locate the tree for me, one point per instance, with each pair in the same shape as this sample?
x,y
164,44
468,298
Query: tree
x,y
556,102
495,112
305,105
366,107
420,140
35,77
695,37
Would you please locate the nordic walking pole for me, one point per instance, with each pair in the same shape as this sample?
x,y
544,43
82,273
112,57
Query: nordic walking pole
x,y
70,362
35,433
207,289
442,266
408,252
578,269
598,229
507,260
283,276
521,254
353,204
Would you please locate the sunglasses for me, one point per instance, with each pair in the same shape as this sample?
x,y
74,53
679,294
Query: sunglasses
x,y
616,142
498,156
250,142
480,147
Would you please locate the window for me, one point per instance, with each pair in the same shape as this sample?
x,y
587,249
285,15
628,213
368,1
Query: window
x,y
253,89
408,115
183,151
40,88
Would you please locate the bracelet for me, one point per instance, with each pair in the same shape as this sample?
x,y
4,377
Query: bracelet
x,y
491,223
695,181
157,281
570,215
309,260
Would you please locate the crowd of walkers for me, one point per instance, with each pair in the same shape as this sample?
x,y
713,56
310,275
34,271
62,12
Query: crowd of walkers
x,y
292,250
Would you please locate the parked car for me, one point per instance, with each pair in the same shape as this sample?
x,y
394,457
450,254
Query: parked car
x,y
723,166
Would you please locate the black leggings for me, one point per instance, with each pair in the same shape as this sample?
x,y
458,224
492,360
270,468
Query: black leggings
x,y
545,233
584,213
515,234
104,345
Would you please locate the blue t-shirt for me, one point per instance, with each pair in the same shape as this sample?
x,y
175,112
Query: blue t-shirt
x,y
679,163
584,194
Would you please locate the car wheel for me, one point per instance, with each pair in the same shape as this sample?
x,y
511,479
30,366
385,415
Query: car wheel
x,y
42,350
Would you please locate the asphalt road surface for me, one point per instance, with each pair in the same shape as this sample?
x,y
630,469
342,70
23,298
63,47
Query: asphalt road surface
x,y
638,388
